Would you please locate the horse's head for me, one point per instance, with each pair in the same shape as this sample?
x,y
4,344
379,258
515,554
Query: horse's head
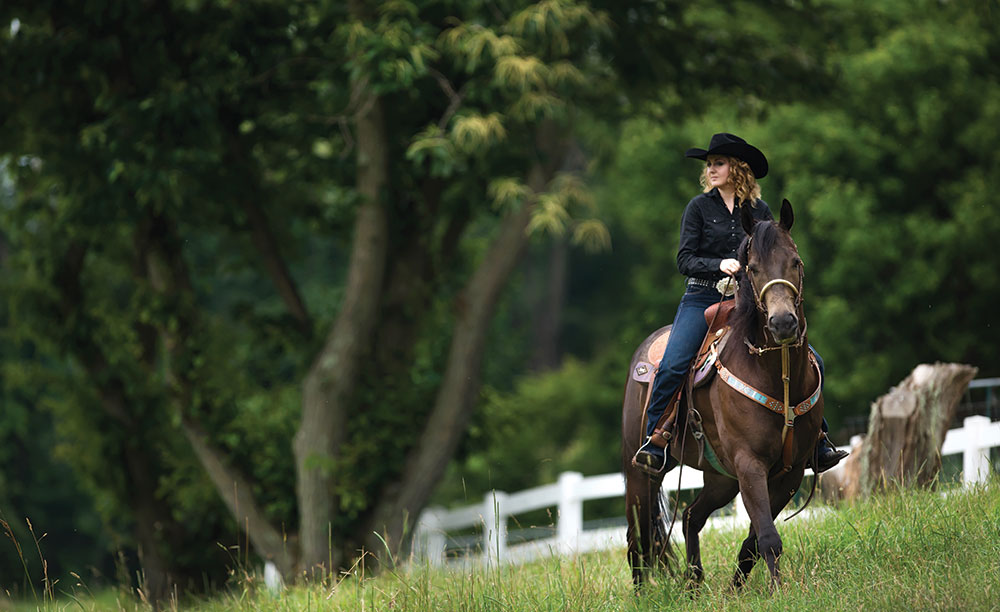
x,y
771,263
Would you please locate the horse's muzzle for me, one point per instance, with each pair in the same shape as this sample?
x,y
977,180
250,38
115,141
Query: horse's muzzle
x,y
784,327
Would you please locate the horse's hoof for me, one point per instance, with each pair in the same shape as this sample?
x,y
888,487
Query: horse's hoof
x,y
692,583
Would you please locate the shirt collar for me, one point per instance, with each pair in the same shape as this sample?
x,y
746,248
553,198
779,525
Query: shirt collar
x,y
717,198
715,195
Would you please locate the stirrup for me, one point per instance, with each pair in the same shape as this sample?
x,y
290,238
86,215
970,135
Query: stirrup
x,y
646,468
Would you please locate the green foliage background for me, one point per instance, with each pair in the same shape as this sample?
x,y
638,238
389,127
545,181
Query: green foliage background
x,y
880,120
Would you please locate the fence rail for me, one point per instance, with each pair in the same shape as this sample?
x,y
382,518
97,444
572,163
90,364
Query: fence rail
x,y
973,441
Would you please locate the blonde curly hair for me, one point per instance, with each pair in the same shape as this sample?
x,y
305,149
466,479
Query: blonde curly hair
x,y
744,182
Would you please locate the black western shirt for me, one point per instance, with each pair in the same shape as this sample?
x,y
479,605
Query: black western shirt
x,y
710,233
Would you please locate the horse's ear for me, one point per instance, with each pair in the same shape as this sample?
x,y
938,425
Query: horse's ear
x,y
746,218
787,218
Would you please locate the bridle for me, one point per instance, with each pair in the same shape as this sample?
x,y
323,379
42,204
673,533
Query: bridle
x,y
762,309
789,414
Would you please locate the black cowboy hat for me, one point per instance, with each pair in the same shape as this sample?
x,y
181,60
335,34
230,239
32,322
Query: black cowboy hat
x,y
733,146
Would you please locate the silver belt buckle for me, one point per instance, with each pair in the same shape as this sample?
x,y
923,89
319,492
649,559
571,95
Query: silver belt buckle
x,y
727,286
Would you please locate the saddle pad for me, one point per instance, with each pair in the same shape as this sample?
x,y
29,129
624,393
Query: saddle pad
x,y
655,352
645,369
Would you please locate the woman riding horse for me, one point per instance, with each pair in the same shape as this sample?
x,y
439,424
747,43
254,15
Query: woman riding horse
x,y
751,427
711,231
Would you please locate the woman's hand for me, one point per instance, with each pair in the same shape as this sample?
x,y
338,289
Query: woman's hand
x,y
729,266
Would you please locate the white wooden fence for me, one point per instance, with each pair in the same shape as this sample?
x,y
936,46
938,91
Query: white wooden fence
x,y
973,441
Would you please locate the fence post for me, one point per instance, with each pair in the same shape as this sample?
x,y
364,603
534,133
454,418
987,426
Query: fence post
x,y
272,578
570,524
429,540
976,455
494,527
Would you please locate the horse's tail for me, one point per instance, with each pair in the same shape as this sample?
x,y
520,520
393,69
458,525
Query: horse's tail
x,y
647,515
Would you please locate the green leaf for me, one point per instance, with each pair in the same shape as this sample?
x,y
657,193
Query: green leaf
x,y
508,193
521,72
593,235
472,132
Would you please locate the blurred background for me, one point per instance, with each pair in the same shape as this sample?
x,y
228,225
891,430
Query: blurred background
x,y
275,276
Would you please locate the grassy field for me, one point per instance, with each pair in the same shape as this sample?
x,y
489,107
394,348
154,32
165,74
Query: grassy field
x,y
899,551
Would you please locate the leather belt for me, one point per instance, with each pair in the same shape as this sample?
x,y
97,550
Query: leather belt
x,y
701,282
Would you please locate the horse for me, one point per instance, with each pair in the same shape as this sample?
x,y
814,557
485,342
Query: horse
x,y
758,452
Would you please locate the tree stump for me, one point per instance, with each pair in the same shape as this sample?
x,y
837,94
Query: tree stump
x,y
844,480
907,427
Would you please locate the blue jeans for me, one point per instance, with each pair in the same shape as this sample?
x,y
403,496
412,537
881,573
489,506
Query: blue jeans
x,y
685,339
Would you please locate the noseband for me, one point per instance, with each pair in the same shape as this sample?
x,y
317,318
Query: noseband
x,y
777,281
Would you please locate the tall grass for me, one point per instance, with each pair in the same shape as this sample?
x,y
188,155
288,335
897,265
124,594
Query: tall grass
x,y
903,550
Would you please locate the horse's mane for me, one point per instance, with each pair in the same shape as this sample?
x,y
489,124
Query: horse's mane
x,y
744,321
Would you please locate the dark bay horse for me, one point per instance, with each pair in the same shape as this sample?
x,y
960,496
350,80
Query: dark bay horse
x,y
745,435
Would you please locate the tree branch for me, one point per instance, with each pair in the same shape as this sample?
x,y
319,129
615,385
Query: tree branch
x,y
261,235
330,383
168,276
456,397
277,269
236,492
402,501
455,98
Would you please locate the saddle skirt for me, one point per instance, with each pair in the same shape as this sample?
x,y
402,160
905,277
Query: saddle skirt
x,y
717,317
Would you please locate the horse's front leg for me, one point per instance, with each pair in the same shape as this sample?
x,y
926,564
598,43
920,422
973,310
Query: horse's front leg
x,y
752,475
717,492
781,490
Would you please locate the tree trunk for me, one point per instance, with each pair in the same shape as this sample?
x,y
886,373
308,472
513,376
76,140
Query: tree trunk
x,y
547,311
401,502
907,427
152,520
547,315
329,385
